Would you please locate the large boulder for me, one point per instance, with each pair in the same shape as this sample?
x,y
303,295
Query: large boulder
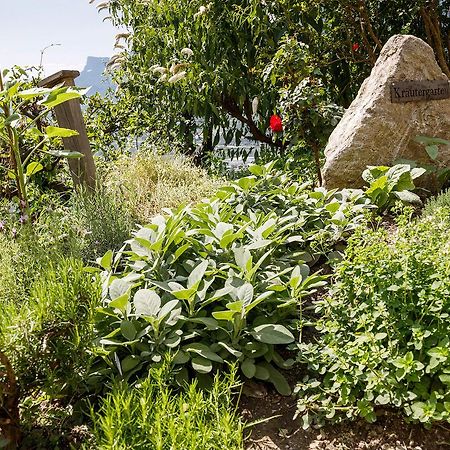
x,y
374,131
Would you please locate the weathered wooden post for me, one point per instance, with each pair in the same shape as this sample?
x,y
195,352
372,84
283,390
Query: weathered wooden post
x,y
69,115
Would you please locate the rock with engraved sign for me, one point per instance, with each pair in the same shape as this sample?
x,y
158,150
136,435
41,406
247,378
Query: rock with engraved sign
x,y
405,96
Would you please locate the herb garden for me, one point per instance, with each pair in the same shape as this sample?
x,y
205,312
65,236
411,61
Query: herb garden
x,y
206,290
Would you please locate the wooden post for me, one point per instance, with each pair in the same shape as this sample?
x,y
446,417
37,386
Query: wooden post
x,y
69,115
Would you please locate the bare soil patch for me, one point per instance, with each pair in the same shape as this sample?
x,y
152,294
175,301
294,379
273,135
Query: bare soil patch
x,y
390,432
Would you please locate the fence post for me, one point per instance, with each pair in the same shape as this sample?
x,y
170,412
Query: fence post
x,y
69,115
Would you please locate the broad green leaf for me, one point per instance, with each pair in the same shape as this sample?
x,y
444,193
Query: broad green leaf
x,y
201,365
62,95
117,288
52,132
224,315
203,351
273,334
167,308
408,197
106,260
129,363
433,151
197,274
245,293
278,380
128,330
147,303
29,94
120,302
248,367
33,168
261,373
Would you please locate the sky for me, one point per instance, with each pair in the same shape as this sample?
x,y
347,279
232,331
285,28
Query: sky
x,y
28,26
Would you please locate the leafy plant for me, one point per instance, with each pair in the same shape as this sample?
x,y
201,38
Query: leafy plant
x,y
152,415
383,328
432,148
222,281
15,123
389,184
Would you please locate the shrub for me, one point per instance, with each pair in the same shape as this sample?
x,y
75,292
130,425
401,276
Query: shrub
x,y
101,220
152,415
384,328
47,334
224,280
149,183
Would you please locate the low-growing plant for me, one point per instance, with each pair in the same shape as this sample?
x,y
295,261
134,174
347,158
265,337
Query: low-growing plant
x,y
153,415
435,203
384,328
222,281
390,184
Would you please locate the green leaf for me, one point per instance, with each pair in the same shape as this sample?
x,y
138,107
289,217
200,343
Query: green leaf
x,y
224,315
129,363
29,94
147,303
408,197
278,380
203,351
53,132
245,293
248,367
273,334
33,168
433,151
261,373
201,365
197,274
106,260
62,95
120,302
117,288
128,330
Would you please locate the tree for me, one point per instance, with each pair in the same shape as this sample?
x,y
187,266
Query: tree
x,y
209,65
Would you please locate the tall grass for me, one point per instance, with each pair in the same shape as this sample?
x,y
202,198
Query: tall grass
x,y
149,183
151,416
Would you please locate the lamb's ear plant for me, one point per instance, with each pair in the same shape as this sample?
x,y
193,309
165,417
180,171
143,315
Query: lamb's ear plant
x,y
223,281
16,125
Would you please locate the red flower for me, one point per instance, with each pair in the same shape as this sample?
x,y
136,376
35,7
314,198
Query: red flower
x,y
276,123
355,47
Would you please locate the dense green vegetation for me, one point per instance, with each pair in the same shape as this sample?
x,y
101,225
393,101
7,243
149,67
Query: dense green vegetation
x,y
134,309
384,326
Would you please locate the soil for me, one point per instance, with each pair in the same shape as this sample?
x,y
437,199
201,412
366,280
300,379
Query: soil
x,y
390,432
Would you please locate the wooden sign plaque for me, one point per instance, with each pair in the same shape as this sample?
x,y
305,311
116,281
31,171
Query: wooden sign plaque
x,y
416,91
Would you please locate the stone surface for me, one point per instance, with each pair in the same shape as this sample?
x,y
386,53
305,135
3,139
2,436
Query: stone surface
x,y
374,131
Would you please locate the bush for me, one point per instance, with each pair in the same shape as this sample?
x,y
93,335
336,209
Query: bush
x,y
224,280
384,328
47,334
149,183
101,220
152,416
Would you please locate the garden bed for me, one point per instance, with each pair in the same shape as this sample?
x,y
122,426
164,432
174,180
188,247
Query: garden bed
x,y
390,432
